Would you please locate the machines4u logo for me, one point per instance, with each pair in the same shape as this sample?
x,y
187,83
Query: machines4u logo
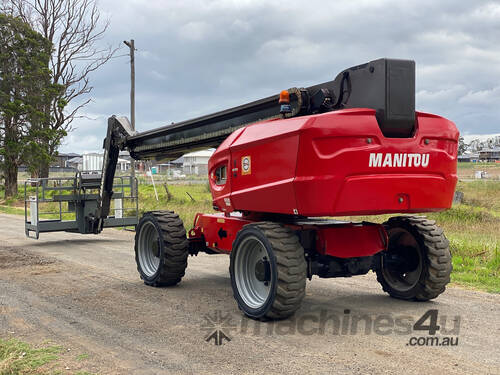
x,y
218,325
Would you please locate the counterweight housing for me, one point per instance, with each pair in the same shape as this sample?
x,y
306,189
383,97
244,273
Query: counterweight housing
x,y
335,164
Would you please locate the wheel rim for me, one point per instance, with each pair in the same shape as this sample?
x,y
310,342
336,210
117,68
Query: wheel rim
x,y
149,249
402,264
252,288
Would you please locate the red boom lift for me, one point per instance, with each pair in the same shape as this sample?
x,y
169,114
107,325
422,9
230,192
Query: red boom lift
x,y
283,166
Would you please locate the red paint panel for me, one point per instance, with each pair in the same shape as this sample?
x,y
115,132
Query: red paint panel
x,y
334,176
271,149
320,166
221,194
351,241
218,231
330,147
378,194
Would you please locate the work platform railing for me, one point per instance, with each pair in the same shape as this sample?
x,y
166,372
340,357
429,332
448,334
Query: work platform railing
x,y
69,203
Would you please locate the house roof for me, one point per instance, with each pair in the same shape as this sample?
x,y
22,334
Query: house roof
x,y
123,154
468,156
68,155
202,153
178,161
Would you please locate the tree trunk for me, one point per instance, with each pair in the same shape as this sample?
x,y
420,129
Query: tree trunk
x,y
11,154
44,170
10,180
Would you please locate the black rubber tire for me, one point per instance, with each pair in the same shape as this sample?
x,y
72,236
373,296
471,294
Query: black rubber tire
x,y
173,251
435,258
288,270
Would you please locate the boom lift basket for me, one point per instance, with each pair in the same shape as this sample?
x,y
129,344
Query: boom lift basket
x,y
68,203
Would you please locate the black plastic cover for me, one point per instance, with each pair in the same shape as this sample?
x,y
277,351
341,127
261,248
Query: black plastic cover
x,y
386,85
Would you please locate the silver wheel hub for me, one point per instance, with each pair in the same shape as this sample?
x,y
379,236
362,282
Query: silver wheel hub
x,y
252,272
148,251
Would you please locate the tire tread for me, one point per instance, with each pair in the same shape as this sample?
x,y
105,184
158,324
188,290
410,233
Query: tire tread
x,y
291,270
436,251
175,246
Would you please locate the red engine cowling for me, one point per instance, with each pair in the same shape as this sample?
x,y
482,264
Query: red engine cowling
x,y
337,163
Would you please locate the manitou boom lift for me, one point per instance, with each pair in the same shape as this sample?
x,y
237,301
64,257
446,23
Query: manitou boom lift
x,y
351,146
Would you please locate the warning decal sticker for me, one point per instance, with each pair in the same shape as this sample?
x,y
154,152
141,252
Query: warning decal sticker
x,y
246,165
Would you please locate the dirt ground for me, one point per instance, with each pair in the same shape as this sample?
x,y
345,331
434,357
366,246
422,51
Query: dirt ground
x,y
84,292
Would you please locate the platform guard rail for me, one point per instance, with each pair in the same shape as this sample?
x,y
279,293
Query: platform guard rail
x,y
67,204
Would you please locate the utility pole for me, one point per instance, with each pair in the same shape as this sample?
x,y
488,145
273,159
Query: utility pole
x,y
131,46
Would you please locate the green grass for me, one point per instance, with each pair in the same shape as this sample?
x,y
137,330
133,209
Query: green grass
x,y
476,261
17,357
467,170
485,194
11,210
468,165
20,358
180,203
473,229
82,357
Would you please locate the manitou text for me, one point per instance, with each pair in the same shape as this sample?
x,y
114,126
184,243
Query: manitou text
x,y
398,160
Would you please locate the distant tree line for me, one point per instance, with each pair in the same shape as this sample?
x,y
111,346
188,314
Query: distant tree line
x,y
477,145
48,49
26,92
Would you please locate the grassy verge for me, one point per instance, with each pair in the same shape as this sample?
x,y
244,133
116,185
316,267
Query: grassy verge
x,y
17,357
473,227
20,358
11,210
180,201
467,170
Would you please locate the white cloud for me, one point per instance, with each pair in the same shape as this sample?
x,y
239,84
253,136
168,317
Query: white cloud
x,y
482,97
158,75
196,31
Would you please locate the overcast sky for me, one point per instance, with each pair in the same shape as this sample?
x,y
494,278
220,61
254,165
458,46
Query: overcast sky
x,y
196,57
